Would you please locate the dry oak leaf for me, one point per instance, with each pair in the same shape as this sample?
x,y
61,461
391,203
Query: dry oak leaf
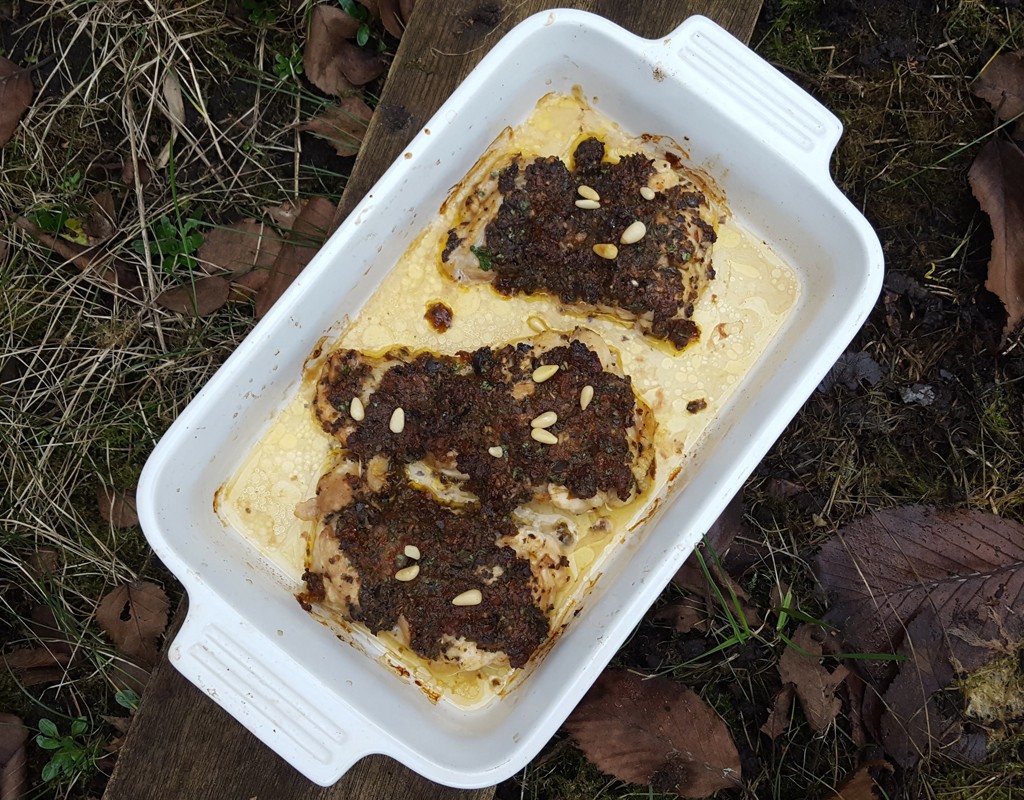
x,y
882,570
116,508
308,233
240,247
343,125
683,616
134,615
331,61
38,665
656,732
1001,83
393,14
779,718
997,180
199,298
861,785
13,736
914,722
15,96
815,686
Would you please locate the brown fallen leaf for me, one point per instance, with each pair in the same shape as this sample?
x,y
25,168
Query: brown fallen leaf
x,y
44,562
882,570
116,508
997,180
134,616
717,541
119,724
89,260
779,718
132,177
814,685
1001,83
199,299
13,736
331,60
389,12
99,223
914,723
655,732
329,28
245,288
43,624
683,616
15,96
125,673
37,666
360,64
304,239
343,125
285,214
405,9
861,785
30,658
235,249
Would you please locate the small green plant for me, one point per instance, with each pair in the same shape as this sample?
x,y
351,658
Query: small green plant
x,y
360,13
261,12
70,184
288,66
175,242
127,698
73,754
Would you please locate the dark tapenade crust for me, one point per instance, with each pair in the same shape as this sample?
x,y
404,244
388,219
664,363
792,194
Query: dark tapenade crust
x,y
457,411
458,552
541,242
458,407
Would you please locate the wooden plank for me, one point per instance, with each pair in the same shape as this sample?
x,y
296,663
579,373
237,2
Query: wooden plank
x,y
181,744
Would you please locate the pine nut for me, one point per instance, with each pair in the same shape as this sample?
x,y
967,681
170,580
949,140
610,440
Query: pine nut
x,y
588,205
541,374
412,551
496,451
608,251
586,396
537,324
647,193
472,597
588,194
634,233
397,422
545,420
543,436
356,410
408,573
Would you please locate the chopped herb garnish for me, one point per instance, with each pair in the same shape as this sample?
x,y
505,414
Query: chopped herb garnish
x,y
483,255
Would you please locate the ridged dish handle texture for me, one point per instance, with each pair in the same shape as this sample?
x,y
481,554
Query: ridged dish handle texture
x,y
745,86
217,650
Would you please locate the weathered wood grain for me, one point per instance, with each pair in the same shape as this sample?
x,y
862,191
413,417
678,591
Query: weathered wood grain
x,y
181,744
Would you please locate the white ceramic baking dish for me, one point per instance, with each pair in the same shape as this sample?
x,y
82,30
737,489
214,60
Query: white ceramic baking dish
x,y
322,704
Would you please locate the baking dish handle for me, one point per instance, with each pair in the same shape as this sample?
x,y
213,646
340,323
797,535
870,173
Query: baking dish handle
x,y
215,649
745,86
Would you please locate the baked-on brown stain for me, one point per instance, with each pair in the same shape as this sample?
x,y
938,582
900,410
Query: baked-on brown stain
x,y
439,316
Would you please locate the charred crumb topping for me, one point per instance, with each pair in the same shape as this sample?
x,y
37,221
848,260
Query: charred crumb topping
x,y
457,554
437,570
548,237
456,408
